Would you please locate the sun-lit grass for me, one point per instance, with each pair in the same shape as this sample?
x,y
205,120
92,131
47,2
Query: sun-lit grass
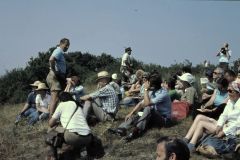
x,y
23,142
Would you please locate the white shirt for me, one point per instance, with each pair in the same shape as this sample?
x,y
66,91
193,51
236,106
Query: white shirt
x,y
77,123
126,58
44,102
230,118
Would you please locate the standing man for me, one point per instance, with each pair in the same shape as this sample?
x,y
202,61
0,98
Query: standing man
x,y
126,65
56,78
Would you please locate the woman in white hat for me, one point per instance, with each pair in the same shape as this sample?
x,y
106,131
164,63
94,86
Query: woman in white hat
x,y
42,104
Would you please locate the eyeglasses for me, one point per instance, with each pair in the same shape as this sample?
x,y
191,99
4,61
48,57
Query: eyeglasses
x,y
216,73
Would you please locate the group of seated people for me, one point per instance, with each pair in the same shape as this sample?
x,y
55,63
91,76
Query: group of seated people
x,y
216,110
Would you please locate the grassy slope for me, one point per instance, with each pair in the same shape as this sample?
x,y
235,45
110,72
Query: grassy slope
x,y
23,142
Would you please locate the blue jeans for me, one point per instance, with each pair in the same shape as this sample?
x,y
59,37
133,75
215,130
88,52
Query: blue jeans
x,y
29,111
35,116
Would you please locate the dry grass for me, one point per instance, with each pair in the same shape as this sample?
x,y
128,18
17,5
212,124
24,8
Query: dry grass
x,y
24,143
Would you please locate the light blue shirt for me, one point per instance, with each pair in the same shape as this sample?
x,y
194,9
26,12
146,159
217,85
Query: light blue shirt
x,y
60,64
220,97
161,102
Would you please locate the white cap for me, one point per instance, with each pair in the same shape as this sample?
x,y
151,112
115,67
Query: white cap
x,y
114,76
187,77
204,80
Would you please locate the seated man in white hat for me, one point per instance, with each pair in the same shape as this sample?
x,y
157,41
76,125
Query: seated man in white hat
x,y
30,105
115,84
104,102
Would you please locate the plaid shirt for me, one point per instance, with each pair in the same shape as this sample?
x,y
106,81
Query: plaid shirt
x,y
108,98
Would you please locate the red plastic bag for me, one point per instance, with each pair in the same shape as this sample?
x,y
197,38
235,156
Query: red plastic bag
x,y
180,110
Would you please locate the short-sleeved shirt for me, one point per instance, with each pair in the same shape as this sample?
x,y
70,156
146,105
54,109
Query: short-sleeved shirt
x,y
60,64
224,57
115,87
31,99
190,95
161,102
45,101
125,58
108,98
77,92
77,123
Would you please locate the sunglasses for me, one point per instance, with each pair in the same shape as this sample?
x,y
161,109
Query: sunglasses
x,y
216,73
230,91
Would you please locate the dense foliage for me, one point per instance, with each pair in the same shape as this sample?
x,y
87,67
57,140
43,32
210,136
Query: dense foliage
x,y
14,85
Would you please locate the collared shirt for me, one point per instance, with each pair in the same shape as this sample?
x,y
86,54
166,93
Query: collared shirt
x,y
230,118
161,102
190,95
60,64
125,58
44,102
77,123
107,97
77,92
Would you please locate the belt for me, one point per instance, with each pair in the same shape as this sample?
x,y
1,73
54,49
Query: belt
x,y
82,135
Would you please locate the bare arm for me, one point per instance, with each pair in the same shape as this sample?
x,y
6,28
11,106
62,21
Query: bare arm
x,y
52,122
211,100
52,63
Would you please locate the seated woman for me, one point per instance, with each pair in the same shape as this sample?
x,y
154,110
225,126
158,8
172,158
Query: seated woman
x,y
42,104
74,87
189,92
227,124
134,90
73,124
215,106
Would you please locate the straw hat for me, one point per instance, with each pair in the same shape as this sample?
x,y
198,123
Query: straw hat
x,y
102,74
42,86
35,84
114,76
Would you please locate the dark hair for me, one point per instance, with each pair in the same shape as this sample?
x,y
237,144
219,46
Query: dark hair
x,y
66,96
177,146
231,73
155,81
223,82
171,83
187,69
76,80
223,50
64,40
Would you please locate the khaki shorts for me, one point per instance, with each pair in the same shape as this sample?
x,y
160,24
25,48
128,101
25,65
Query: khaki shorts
x,y
52,82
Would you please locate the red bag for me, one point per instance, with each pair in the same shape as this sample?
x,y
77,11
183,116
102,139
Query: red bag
x,y
180,110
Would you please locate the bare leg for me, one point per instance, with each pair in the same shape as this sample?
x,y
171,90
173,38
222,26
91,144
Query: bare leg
x,y
209,126
195,125
54,100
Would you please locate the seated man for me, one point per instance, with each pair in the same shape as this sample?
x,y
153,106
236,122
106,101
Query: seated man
x,y
30,105
103,102
172,149
74,127
156,107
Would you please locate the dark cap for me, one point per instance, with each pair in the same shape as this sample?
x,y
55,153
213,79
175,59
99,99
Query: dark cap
x,y
128,49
